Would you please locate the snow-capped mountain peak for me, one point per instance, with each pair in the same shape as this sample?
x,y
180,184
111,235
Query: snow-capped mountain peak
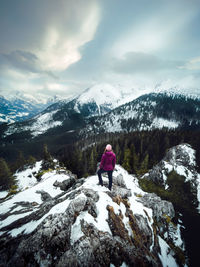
x,y
101,94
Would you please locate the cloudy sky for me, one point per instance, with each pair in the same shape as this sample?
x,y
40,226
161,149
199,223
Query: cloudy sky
x,y
61,47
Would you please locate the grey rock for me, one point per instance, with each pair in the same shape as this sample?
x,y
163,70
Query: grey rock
x,y
44,195
66,184
119,181
120,191
159,207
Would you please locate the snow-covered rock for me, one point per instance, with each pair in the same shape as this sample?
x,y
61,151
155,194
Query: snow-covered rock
x,y
182,160
64,221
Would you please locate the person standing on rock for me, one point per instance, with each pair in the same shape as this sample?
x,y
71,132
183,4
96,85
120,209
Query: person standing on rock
x,y
108,161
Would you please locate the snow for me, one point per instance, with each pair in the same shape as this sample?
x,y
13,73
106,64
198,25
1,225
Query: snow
x,y
30,194
191,152
3,194
123,265
43,123
198,191
114,125
189,173
165,256
76,232
101,94
13,218
177,237
161,122
31,226
23,179
22,114
126,219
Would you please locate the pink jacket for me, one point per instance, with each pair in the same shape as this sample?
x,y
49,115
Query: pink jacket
x,y
108,161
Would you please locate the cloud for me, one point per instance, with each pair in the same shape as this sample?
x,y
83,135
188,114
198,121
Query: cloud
x,y
42,41
26,62
193,64
138,62
60,47
58,30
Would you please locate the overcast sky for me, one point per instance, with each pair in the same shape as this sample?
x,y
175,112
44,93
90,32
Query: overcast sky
x,y
62,47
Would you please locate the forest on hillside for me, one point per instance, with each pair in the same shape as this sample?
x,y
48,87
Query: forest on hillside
x,y
137,152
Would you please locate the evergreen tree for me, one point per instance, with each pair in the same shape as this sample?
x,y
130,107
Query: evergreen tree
x,y
6,178
118,153
48,160
134,159
31,160
127,158
92,160
20,162
79,163
85,169
46,154
144,165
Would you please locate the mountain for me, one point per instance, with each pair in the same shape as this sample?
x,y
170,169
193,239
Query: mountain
x,y
71,113
55,219
102,98
148,112
19,109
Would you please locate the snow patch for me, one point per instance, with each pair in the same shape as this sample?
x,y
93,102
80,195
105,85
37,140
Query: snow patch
x,y
43,123
3,194
165,256
26,178
161,122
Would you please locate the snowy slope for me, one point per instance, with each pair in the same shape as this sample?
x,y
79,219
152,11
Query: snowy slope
x,y
102,98
101,94
107,94
85,218
151,111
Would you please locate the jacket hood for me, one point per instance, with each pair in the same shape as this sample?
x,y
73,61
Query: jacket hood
x,y
109,153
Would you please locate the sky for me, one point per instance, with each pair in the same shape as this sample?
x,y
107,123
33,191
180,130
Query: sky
x,y
62,47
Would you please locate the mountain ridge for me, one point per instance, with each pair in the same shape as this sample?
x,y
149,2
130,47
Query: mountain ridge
x,y
148,112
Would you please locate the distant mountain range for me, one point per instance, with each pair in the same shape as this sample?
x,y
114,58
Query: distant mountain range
x,y
91,114
148,112
19,109
94,101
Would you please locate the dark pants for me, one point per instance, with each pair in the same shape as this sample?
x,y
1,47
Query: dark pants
x,y
100,171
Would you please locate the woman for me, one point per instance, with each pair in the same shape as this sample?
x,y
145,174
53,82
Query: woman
x,y
107,164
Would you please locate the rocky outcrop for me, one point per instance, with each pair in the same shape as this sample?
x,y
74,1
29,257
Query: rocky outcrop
x,y
79,223
181,159
158,206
